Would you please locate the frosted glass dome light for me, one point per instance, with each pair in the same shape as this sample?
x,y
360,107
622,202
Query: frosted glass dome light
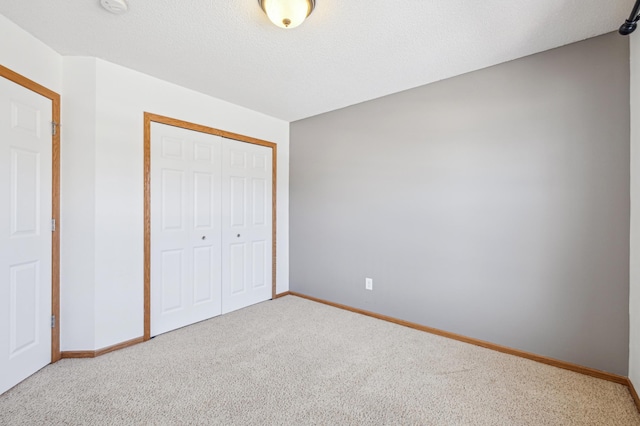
x,y
287,13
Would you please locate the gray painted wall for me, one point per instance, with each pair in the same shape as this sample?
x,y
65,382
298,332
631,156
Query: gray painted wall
x,y
494,204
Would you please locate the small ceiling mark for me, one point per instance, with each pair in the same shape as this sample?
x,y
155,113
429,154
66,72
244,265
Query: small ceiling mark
x,y
117,7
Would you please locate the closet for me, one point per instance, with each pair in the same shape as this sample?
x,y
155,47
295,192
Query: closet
x,y
211,248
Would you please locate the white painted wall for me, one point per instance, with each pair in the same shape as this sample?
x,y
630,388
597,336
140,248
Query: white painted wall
x,y
122,97
28,56
634,254
102,177
77,204
101,180
31,58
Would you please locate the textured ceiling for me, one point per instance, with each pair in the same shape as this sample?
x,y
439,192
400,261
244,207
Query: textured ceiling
x,y
347,52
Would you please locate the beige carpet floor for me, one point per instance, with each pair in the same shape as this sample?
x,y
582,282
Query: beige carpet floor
x,y
295,362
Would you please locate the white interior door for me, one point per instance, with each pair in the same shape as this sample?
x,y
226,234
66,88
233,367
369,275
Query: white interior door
x,y
185,227
247,229
25,233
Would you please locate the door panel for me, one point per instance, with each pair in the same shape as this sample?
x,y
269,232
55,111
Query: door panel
x,y
185,227
204,152
172,280
203,275
259,201
247,241
237,202
25,192
25,234
171,189
237,158
24,299
259,258
203,201
172,148
237,268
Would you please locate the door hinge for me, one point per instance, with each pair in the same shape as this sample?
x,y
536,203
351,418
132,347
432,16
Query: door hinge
x,y
53,225
53,321
54,127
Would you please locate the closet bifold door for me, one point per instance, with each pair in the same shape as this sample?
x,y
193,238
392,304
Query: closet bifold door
x,y
211,226
247,224
186,234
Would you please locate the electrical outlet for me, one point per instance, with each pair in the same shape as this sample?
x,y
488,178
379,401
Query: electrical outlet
x,y
368,283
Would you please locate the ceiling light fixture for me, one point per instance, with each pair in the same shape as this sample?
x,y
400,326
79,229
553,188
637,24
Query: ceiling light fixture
x,y
287,13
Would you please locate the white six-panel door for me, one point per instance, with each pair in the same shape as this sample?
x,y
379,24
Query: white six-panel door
x,y
185,227
247,228
25,233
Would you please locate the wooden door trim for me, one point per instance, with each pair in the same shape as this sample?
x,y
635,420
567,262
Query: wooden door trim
x,y
55,199
155,118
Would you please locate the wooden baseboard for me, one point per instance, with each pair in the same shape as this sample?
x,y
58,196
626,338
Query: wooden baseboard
x,y
499,348
504,349
634,394
120,346
77,354
98,352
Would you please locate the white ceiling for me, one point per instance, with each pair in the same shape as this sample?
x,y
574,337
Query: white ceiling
x,y
347,52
